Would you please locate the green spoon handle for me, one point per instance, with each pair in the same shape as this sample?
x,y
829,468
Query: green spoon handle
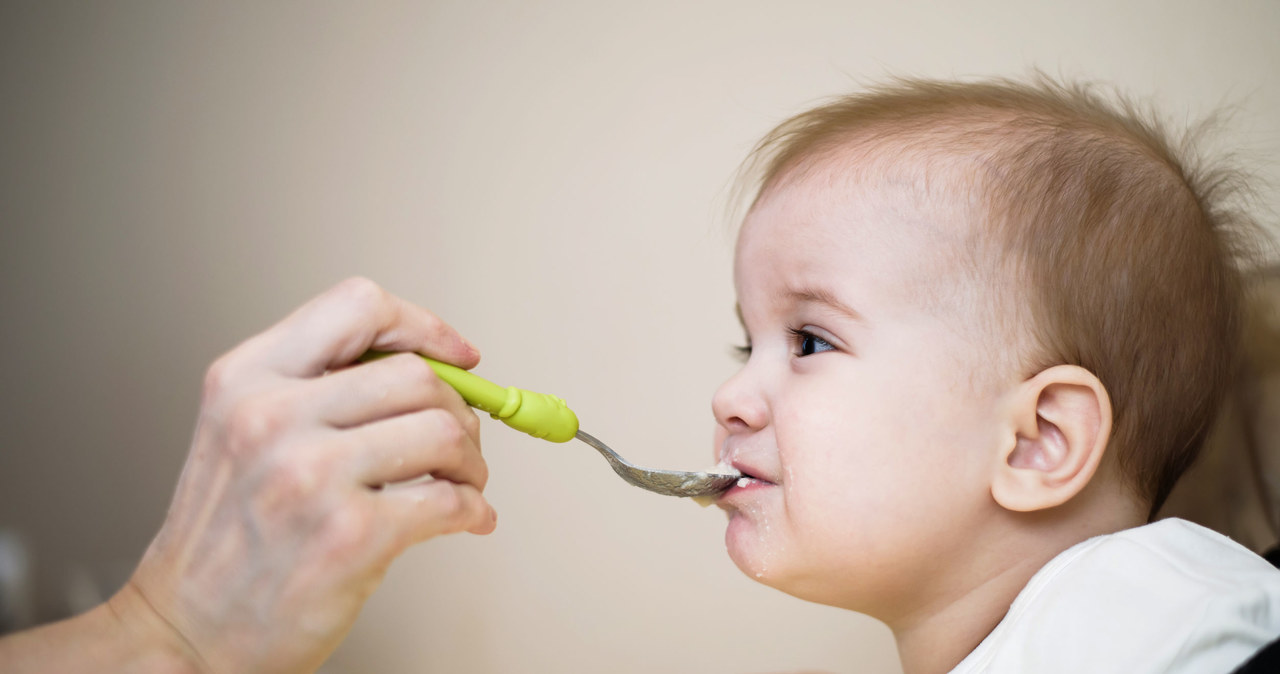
x,y
539,414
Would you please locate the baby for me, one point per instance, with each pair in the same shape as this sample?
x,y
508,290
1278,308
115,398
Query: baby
x,y
988,326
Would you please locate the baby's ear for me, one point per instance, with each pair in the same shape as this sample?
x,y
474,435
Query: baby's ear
x,y
1060,425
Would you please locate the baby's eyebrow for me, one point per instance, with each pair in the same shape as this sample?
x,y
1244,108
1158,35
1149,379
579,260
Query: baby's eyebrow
x,y
824,297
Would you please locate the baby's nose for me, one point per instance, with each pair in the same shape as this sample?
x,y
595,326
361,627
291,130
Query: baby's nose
x,y
739,405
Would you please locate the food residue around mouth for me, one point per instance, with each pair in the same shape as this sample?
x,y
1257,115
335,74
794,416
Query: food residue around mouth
x,y
721,468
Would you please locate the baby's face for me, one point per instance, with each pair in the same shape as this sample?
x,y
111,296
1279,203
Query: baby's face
x,y
864,413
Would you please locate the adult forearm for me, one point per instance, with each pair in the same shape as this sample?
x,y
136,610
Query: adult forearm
x,y
122,635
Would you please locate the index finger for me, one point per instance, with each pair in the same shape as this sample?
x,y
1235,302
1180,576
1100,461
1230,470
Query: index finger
x,y
355,316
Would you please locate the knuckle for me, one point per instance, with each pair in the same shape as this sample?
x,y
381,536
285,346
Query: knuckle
x,y
348,530
294,481
454,454
449,437
434,325
257,420
361,292
358,297
414,368
449,428
217,379
452,508
471,423
287,495
482,475
359,287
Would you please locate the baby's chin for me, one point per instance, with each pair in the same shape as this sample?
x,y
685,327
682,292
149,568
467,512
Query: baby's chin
x,y
773,569
754,546
761,549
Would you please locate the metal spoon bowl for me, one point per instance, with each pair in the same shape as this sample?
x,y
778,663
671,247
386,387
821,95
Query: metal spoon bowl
x,y
667,482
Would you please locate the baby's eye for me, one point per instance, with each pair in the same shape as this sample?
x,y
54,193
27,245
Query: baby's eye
x,y
807,343
742,352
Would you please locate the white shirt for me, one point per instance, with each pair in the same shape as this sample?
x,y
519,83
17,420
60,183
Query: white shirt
x,y
1170,597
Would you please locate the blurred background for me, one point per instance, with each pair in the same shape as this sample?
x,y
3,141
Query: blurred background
x,y
550,177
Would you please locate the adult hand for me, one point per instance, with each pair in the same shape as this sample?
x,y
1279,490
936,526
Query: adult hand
x,y
281,526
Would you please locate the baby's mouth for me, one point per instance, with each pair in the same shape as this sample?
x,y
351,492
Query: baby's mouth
x,y
739,495
750,478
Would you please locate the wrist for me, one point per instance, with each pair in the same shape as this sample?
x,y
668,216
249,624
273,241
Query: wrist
x,y
154,643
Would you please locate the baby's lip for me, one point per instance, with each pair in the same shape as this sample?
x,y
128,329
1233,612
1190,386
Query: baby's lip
x,y
752,480
751,472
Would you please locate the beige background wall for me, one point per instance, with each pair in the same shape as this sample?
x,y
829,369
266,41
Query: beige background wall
x,y
548,176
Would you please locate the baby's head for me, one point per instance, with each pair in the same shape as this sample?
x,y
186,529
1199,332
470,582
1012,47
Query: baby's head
x,y
986,321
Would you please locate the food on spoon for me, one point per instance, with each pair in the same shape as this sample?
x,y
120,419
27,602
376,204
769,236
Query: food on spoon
x,y
722,468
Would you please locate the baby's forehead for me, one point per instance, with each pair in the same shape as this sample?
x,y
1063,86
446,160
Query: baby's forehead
x,y
825,216
902,182
893,194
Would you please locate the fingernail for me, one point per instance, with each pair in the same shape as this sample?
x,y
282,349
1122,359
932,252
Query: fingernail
x,y
467,343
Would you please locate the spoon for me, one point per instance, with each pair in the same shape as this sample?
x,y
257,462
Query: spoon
x,y
548,417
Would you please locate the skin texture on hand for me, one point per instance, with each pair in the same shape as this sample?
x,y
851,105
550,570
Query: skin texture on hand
x,y
283,523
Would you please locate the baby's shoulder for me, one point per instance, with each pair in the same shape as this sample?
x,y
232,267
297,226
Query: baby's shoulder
x,y
1169,596
1176,553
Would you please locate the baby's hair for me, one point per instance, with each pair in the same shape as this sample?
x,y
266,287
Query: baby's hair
x,y
1107,244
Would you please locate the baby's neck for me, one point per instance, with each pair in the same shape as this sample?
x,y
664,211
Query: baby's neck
x,y
940,638
935,638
